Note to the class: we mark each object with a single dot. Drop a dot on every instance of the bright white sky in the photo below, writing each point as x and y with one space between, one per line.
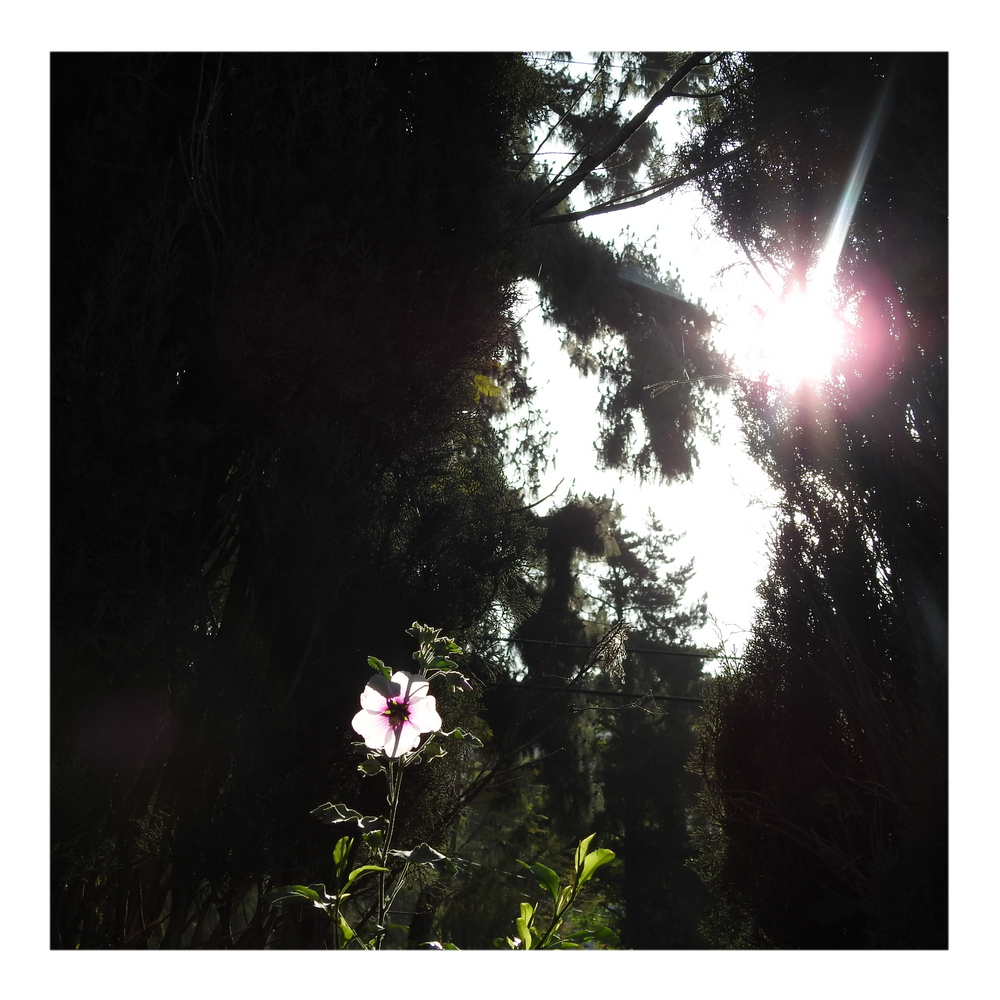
726 510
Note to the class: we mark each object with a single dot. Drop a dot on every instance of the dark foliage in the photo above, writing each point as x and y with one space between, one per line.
268 454
613 762
631 327
282 289
648 797
825 753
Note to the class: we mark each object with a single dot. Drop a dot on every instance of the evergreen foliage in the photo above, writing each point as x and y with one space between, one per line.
612 761
825 752
268 448
283 294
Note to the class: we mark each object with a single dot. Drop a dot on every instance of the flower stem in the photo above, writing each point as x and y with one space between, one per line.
394 777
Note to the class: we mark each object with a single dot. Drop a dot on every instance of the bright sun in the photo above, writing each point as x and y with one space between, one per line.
795 339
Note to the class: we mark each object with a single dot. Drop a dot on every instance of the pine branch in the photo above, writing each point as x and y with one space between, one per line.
625 133
647 194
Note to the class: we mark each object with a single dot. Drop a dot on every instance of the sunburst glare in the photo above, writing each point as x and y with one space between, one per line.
799 336
794 340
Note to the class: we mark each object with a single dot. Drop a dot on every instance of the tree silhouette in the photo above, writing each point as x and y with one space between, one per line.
824 752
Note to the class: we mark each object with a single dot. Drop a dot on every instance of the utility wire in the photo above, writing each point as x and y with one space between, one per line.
608 694
704 654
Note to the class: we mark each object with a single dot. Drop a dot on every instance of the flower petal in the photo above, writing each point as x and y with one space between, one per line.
377 692
411 685
375 722
424 715
403 740
373 728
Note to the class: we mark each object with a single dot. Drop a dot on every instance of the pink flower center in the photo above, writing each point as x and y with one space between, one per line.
398 713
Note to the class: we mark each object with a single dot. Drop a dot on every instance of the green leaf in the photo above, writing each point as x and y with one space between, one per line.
592 862
485 386
457 681
581 852
358 872
606 936
523 925
291 894
450 866
461 734
341 852
330 813
345 928
371 766
547 878
431 751
319 890
315 894
422 855
376 664
373 840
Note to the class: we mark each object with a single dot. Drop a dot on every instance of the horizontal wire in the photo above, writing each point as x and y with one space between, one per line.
609 694
700 653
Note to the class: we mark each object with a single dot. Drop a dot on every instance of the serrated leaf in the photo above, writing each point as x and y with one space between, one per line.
431 751
376 664
461 734
446 866
421 855
462 683
330 813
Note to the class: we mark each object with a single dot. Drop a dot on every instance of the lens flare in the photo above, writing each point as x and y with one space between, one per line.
801 334
797 339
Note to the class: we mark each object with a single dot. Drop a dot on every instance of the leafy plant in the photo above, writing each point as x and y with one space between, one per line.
396 713
533 932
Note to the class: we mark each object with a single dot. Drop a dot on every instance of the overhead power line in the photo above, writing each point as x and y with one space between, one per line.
703 654
605 694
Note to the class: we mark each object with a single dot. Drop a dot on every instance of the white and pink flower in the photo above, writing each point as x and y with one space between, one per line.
396 713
